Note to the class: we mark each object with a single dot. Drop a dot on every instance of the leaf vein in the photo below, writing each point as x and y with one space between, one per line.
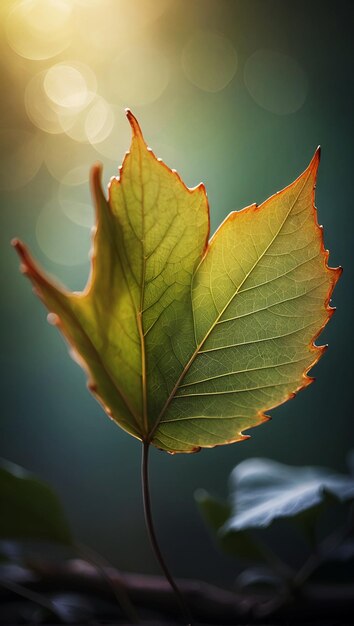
246 343
245 371
230 391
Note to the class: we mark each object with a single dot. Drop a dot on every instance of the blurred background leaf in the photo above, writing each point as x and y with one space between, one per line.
216 514
29 509
261 492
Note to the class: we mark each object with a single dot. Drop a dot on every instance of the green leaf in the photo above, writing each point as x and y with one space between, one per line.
187 343
29 508
262 491
216 513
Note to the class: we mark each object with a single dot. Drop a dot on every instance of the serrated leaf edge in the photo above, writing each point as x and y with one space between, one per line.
312 347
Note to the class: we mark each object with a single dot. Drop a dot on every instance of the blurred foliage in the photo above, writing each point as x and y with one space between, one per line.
29 508
261 492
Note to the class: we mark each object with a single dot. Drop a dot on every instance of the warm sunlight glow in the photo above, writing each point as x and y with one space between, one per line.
66 86
39 29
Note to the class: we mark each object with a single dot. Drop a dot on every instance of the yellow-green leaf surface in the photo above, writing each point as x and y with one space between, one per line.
188 343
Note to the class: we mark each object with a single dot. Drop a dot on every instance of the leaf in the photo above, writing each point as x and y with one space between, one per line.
262 491
258 577
187 343
29 508
216 513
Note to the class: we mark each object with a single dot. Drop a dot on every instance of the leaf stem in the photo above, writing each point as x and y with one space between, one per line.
152 535
324 550
294 585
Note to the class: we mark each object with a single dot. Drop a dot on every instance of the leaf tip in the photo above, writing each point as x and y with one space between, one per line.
134 124
201 187
19 246
308 380
315 161
96 173
338 271
22 252
262 417
96 180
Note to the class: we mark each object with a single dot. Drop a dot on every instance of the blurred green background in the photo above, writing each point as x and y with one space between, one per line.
237 94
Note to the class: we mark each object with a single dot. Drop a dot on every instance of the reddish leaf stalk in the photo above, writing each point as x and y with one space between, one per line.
152 534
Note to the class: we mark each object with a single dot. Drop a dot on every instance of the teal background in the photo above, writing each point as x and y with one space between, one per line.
243 153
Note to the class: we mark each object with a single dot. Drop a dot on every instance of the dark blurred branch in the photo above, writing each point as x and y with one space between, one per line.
295 586
318 604
116 583
29 594
324 550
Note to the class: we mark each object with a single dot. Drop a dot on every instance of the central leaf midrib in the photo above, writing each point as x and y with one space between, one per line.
199 346
141 305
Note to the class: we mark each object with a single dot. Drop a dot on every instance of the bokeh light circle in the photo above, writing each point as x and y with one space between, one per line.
61 240
111 25
275 81
66 86
99 121
67 159
42 111
91 124
209 60
114 145
75 201
22 154
39 29
138 76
